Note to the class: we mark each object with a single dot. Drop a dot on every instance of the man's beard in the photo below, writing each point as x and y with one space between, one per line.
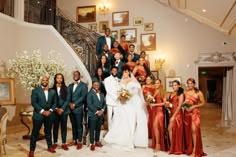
114 75
44 85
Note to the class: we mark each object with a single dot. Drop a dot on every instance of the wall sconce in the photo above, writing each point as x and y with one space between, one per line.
159 61
103 7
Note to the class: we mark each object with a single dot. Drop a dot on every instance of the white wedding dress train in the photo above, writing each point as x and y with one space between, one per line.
129 124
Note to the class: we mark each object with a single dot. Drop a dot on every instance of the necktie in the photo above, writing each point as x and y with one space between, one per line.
75 82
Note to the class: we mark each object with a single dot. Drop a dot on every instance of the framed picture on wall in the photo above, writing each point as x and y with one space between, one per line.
7 93
130 33
120 18
148 26
168 82
148 42
86 13
103 25
138 21
114 34
92 27
155 74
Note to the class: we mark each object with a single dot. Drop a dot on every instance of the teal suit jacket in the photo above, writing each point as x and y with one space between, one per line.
100 43
38 101
64 104
78 96
135 58
120 73
94 104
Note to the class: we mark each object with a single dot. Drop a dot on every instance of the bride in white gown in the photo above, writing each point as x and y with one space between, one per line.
129 123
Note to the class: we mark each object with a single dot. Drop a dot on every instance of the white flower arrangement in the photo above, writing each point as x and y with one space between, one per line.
30 67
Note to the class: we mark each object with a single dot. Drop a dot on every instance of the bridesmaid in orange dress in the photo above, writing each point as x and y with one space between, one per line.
141 71
192 130
149 88
158 142
175 127
130 63
124 44
115 48
143 55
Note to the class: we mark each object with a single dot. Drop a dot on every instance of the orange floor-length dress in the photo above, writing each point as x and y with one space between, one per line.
189 119
146 91
157 112
177 145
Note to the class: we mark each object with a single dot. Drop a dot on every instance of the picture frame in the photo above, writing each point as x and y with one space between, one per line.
92 27
148 26
138 21
86 14
7 92
130 33
148 42
155 73
114 34
103 25
168 82
120 18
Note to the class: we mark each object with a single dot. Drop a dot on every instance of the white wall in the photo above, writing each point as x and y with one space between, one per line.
17 36
179 37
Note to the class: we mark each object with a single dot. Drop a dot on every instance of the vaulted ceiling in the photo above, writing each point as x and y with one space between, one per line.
219 14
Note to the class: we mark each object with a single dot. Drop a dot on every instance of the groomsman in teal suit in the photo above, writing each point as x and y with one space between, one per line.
44 102
62 111
118 63
107 39
77 92
135 56
96 105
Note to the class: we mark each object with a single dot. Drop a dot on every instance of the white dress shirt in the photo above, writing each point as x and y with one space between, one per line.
75 85
108 40
46 94
118 61
98 94
58 90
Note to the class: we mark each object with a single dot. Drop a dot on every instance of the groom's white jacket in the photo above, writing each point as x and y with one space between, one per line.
112 87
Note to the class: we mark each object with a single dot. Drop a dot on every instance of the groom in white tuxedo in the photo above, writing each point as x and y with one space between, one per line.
112 86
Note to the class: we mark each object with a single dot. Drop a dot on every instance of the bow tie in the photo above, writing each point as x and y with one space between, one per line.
75 82
96 91
45 88
116 62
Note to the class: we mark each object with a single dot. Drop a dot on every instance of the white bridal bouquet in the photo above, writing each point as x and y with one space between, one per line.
29 67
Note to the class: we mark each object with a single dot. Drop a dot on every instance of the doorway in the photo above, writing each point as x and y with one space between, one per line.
211 83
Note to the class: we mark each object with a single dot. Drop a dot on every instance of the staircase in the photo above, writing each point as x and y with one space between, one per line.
81 39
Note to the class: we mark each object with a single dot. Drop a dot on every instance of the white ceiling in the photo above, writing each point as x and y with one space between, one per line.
219 14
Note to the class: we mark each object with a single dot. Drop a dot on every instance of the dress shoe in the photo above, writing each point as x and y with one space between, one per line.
64 146
92 147
79 145
51 150
72 143
98 144
31 154
54 146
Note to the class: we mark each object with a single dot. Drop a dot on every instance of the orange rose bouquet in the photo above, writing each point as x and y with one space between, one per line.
124 95
187 103
141 78
150 99
168 106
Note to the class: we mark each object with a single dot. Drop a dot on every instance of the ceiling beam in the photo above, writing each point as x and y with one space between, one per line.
232 28
228 13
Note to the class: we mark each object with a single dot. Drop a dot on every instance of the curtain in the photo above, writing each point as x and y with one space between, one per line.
228 97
